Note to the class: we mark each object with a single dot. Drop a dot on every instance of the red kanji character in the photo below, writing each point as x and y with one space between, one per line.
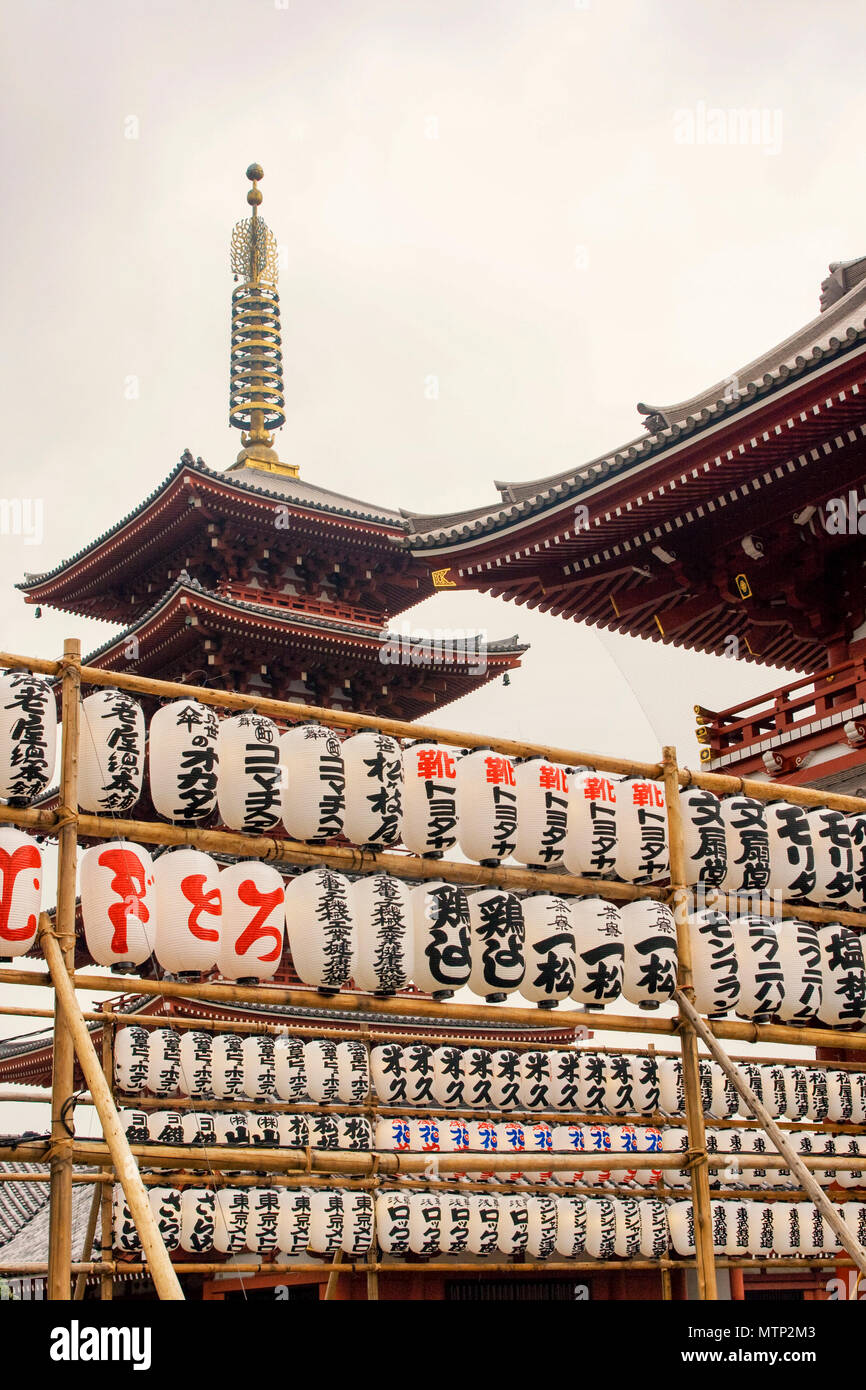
647 794
192 889
435 762
11 865
500 770
129 885
598 789
552 778
265 902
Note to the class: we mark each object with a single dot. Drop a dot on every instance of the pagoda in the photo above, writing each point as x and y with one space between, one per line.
733 525
255 580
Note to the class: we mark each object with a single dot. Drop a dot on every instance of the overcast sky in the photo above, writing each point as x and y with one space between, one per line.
497 194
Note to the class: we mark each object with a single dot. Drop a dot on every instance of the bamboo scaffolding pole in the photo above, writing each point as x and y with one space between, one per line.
89 1237
700 1182
331 1287
792 1159
164 1277
63 1057
106 1283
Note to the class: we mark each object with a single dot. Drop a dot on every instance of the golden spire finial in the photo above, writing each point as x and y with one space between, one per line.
256 402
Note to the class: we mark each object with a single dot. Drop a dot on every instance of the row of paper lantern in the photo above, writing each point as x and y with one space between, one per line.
368 789
774 1228
228 1066
788 970
350 1133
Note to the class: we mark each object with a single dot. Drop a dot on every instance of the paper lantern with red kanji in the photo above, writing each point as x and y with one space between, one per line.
183 762
21 877
188 911
118 903
497 943
599 951
834 855
429 798
641 854
315 794
196 1220
747 844
131 1052
762 982
486 806
374 789
320 925
843 977
110 752
251 937
385 942
28 736
802 979
590 842
250 780
542 812
650 953
704 843
441 933
550 949
715 963
792 853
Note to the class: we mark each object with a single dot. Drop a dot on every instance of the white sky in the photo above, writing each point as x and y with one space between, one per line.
409 257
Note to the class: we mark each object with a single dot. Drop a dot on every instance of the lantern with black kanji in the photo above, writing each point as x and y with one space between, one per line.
599 951
486 806
320 925
715 964
792 853
497 943
28 736
802 978
843 977
118 903
251 937
550 949
189 911
747 844
704 843
429 798
650 952
196 1220
641 854
182 755
131 1051
834 855
250 780
195 1078
374 789
542 812
762 983
21 878
315 795
385 942
590 842
441 931
110 752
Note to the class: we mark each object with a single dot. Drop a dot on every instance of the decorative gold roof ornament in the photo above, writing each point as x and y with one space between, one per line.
256 400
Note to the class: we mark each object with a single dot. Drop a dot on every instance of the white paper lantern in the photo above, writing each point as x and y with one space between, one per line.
854 1216
858 1097
392 1222
383 915
857 829
294 1131
423 1135
641 854
389 1072
326 1221
541 1227
260 1082
671 1089
618 1088
21 878
628 1228
449 1080
425 1223
353 1072
747 845
511 1139
505 1086
840 1097
550 950
477 1070
182 754
792 1227
704 843
649 1141
354 1133
483 1224
454 1225
232 1128
497 944
118 903
834 855
196 1220
293 1225
188 911
592 1082
681 1225
290 1070
417 1062
654 1236
723 1100
645 1085
675 1139
131 1052
250 781
762 1227
800 960
323 1132
571 1227
850 1146
358 1217
198 1128
165 1127
231 1214
28 736
513 1225
600 1228
374 789
263 1218
227 1066
759 967
599 951
429 798
136 1125
315 794
163 1062
715 963
487 806
542 812
774 1091
251 936
441 932
323 937
816 1080
264 1129
535 1077
590 843
323 1071
110 752
792 854
843 977
564 1079
650 953
126 1237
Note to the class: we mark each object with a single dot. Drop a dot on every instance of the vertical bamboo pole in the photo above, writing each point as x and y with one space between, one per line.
106 1282
699 1171
90 1234
63 1071
372 1272
331 1286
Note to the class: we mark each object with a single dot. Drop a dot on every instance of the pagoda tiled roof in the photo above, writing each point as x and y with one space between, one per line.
839 329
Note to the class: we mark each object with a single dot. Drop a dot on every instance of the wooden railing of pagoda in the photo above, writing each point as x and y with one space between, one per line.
117 1160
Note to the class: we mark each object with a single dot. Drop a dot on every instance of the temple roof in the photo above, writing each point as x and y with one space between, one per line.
838 329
